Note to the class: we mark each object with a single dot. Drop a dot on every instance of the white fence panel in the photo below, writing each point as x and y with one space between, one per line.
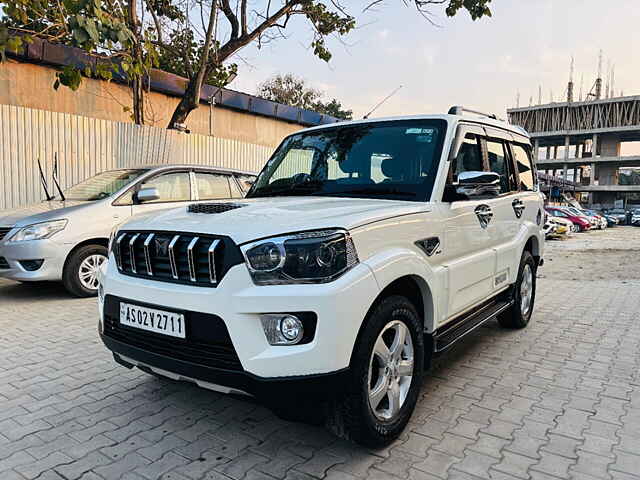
85 146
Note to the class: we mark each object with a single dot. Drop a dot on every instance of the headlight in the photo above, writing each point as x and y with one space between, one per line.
39 231
309 257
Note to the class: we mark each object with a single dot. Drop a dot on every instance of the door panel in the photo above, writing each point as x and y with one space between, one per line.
468 256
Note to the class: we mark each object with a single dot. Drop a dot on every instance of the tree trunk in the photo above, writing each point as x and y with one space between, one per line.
137 85
188 103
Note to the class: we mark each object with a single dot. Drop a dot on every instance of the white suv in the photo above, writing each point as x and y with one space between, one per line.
362 250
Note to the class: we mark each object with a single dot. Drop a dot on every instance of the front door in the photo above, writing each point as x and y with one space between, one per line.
174 189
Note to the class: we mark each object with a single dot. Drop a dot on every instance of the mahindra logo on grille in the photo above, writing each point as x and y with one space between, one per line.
162 247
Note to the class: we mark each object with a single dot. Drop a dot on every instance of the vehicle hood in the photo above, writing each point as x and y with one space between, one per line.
265 217
563 221
41 212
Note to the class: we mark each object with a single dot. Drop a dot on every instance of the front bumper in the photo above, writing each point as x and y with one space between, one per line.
340 307
229 381
53 254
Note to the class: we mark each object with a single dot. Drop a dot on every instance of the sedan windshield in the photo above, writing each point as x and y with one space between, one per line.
395 160
102 185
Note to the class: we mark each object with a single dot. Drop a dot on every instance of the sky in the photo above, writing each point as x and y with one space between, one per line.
481 64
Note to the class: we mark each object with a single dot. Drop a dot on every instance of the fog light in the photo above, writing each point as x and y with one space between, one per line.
282 329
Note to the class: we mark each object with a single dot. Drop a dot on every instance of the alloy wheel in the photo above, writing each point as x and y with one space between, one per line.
526 290
390 370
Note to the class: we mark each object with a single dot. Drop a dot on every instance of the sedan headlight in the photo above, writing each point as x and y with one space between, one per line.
308 257
39 231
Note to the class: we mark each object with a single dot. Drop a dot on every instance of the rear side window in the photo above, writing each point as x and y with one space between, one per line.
212 186
525 167
499 163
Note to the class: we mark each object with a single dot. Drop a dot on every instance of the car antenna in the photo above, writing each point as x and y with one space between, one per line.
43 180
55 176
384 100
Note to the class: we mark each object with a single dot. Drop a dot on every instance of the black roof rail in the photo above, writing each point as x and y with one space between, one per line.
459 110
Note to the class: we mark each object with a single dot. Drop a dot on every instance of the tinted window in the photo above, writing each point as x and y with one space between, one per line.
525 168
212 186
499 163
172 187
245 182
469 157
395 160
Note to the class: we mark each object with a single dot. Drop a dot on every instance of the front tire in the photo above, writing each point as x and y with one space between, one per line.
524 295
386 369
80 275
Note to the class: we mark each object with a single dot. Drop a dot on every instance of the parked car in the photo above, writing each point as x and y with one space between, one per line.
611 220
66 238
619 214
563 227
580 222
362 250
602 221
635 217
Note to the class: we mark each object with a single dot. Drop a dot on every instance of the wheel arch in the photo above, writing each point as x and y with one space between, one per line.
102 241
533 247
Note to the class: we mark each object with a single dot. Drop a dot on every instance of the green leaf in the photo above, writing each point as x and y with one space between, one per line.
80 35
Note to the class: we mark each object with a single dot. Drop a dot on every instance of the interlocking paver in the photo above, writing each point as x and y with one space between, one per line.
558 400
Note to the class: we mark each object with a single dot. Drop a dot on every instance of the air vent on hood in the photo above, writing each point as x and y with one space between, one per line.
211 208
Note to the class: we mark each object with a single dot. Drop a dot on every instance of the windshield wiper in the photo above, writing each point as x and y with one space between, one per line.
44 183
373 191
291 189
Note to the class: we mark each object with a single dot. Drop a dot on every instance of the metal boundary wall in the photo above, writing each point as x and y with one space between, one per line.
86 146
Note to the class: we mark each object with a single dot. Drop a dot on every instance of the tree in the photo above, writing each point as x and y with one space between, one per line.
131 36
291 90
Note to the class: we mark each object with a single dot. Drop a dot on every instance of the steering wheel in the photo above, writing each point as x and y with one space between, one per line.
300 178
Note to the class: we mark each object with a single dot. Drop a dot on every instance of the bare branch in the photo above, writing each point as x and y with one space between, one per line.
243 16
233 20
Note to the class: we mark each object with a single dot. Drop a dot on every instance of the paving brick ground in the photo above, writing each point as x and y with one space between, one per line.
560 399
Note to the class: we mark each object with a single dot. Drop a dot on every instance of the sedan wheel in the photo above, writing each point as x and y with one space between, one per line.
88 272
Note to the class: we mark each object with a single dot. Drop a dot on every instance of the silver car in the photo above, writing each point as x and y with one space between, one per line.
66 238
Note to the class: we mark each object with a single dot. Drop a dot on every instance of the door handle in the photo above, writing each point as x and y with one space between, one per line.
518 207
484 214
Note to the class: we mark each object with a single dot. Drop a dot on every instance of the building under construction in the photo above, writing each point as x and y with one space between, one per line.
579 144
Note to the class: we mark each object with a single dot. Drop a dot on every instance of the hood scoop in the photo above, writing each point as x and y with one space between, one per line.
211 208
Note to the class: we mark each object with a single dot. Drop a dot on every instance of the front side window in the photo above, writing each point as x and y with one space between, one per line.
469 158
102 185
172 187
525 168
212 186
392 160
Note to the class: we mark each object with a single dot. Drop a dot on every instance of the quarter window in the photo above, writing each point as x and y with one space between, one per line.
525 168
212 186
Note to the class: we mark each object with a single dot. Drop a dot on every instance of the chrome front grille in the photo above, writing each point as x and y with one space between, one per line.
175 257
4 231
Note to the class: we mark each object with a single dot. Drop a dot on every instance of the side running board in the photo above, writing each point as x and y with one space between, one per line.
449 334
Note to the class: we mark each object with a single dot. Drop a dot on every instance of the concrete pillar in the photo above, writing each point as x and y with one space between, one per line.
594 145
567 144
564 173
593 174
536 149
575 174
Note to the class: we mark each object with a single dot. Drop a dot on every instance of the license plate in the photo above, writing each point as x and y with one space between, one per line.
152 320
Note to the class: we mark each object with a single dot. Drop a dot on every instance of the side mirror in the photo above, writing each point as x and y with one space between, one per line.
147 195
478 184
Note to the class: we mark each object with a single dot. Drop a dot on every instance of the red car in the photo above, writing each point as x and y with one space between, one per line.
582 223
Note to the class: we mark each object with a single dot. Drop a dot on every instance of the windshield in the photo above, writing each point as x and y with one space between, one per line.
102 185
395 160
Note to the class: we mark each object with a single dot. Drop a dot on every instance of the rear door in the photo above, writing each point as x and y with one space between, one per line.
506 209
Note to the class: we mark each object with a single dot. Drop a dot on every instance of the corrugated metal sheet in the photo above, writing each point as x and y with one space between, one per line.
86 146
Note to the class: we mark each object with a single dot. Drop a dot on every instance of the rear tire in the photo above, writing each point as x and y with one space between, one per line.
381 395
524 295
79 275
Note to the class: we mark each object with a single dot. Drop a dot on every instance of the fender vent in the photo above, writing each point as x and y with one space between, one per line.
211 208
